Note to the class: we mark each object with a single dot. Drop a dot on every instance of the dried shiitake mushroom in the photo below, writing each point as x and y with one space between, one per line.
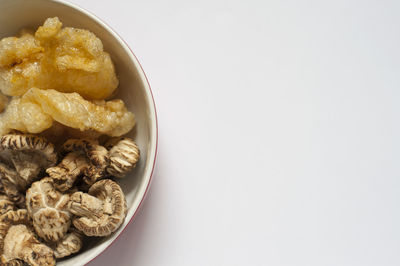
18 243
6 204
123 156
64 175
9 218
101 211
70 244
48 209
29 154
8 188
97 155
23 159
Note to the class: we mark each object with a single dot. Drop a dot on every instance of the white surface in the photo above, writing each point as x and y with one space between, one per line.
278 132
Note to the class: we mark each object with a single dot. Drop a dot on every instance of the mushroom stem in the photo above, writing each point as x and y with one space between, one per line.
83 204
96 154
66 172
101 211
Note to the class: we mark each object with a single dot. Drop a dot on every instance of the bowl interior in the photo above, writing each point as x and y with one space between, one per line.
133 90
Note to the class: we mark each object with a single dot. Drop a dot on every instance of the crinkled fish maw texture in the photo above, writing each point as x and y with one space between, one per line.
34 112
64 59
24 116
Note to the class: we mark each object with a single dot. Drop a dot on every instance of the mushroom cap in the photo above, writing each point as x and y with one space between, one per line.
97 154
11 218
27 142
20 243
29 153
47 207
70 244
123 156
103 220
23 159
7 220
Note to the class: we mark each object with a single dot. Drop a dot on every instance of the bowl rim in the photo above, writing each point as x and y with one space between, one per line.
152 106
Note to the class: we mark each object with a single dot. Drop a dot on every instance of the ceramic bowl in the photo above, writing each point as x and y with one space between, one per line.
134 90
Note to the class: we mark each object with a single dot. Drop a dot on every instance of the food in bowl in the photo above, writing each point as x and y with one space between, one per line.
36 110
65 59
55 195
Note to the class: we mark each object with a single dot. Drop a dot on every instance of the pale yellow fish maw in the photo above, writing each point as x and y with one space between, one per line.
14 50
3 102
64 59
70 109
24 117
37 109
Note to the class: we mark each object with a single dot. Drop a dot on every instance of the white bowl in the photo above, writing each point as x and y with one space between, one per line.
133 89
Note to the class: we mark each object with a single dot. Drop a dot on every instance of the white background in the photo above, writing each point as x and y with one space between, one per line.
278 132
